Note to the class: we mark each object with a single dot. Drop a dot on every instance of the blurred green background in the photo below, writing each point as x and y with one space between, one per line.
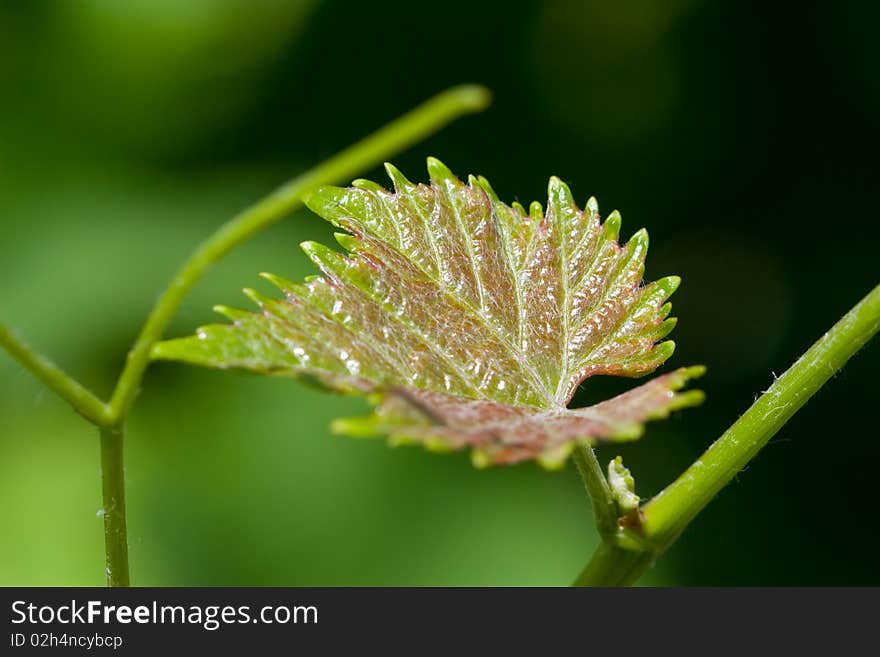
743 135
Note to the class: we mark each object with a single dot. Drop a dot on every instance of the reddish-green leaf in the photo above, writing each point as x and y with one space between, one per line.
467 322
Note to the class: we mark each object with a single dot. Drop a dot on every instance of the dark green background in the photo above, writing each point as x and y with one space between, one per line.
743 135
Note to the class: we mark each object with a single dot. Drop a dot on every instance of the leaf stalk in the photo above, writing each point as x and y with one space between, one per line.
605 511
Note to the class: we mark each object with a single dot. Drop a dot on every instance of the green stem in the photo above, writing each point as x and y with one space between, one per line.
69 389
605 509
113 480
668 513
666 516
417 124
410 128
612 565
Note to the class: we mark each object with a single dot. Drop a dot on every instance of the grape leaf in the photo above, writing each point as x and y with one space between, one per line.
465 321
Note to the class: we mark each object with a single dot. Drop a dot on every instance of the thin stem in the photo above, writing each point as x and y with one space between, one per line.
69 389
417 124
113 480
666 516
604 507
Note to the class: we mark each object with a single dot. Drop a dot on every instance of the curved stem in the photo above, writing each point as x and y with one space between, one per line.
410 128
113 484
397 135
65 386
667 514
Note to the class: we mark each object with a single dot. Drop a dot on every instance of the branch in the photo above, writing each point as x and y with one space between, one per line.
69 389
417 124
667 515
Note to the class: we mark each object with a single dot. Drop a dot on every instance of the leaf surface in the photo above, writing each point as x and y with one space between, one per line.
467 322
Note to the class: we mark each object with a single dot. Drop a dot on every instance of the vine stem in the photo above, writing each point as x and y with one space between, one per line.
60 382
412 127
113 485
605 510
622 560
613 565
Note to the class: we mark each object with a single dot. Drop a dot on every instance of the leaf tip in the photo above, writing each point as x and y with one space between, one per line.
480 459
558 191
670 284
367 185
346 241
439 172
437 445
482 183
317 252
354 427
694 371
687 399
555 457
640 239
256 297
665 327
664 350
536 211
231 314
628 431
321 199
281 283
401 183
612 224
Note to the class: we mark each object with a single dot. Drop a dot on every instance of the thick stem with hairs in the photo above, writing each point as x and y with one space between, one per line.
631 551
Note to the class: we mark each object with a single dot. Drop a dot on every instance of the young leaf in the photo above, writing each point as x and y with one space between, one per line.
623 486
466 322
